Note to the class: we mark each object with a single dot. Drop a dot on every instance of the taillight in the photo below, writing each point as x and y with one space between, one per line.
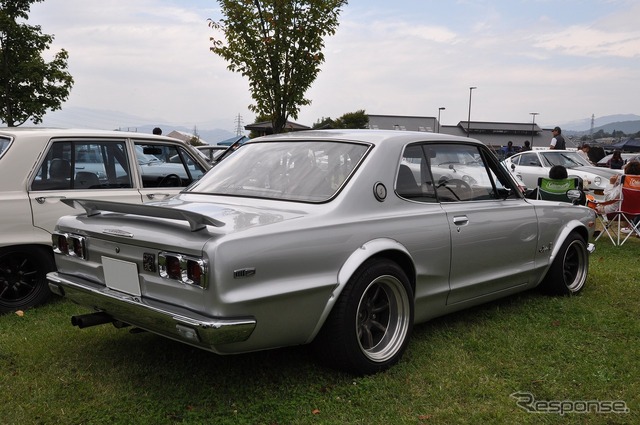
195 272
69 244
189 270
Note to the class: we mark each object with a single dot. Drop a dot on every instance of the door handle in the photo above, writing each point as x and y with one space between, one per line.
158 196
460 220
42 199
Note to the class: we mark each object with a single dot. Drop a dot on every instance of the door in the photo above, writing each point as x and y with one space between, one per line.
165 169
89 169
493 229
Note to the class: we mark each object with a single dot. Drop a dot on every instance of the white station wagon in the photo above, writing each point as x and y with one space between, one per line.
324 237
40 167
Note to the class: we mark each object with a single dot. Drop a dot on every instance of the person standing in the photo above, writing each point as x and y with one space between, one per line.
557 142
526 147
584 152
616 162
157 131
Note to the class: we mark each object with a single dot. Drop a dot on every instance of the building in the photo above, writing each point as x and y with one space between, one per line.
494 134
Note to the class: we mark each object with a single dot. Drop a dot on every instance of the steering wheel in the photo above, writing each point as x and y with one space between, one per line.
461 186
170 180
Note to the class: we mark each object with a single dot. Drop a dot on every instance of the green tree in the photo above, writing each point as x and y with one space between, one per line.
29 86
358 119
277 45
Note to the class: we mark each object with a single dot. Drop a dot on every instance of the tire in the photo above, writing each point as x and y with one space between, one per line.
23 282
568 272
369 327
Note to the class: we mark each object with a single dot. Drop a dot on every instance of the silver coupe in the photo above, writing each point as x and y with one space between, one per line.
342 239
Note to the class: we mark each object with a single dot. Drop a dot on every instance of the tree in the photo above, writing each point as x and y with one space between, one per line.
29 86
358 119
277 45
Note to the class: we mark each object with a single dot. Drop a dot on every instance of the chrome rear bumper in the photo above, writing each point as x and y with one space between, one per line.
160 318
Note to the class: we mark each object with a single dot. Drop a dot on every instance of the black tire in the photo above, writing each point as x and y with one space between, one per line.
23 282
369 327
568 272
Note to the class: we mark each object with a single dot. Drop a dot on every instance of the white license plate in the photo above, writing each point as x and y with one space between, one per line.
121 275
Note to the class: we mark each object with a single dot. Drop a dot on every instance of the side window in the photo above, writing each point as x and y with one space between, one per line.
414 180
163 165
530 159
465 173
83 165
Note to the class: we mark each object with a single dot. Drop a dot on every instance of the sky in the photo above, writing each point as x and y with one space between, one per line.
565 60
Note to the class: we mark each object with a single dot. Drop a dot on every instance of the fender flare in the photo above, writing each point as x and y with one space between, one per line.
349 267
570 227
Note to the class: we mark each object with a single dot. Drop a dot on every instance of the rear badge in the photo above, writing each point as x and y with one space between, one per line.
117 232
149 262
241 273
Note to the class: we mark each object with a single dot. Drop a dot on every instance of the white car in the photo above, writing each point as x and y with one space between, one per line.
528 166
40 167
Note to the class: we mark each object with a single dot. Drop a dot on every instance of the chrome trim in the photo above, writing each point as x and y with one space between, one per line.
184 271
153 316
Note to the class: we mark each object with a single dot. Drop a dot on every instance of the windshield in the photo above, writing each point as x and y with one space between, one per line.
566 159
292 170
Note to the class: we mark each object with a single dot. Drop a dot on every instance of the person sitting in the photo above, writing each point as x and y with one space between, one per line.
613 195
559 172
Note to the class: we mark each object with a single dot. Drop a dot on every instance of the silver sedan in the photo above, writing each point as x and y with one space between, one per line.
342 239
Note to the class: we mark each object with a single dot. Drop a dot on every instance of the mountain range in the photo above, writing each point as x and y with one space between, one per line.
627 123
211 132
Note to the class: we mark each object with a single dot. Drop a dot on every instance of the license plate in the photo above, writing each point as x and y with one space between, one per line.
121 275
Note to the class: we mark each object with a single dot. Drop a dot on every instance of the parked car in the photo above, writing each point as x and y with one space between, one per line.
604 162
212 152
528 166
323 237
40 167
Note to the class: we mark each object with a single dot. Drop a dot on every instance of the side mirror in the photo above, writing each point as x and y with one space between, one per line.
513 167
574 195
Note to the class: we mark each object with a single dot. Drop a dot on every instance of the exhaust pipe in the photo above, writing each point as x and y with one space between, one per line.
91 319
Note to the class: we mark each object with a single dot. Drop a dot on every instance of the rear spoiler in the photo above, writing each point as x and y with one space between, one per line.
196 220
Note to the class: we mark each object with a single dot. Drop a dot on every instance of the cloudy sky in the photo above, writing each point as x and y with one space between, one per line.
565 59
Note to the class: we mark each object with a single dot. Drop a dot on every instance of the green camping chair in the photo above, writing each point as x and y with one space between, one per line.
556 190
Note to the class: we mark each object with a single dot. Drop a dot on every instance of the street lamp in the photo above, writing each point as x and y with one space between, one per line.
442 108
533 124
469 117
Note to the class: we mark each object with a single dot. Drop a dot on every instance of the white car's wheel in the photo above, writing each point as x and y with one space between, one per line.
23 282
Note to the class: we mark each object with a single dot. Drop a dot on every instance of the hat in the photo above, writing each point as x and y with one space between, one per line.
557 129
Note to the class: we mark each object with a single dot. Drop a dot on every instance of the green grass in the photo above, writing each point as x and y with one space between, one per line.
460 368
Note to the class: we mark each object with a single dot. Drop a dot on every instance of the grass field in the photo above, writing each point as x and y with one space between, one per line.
462 368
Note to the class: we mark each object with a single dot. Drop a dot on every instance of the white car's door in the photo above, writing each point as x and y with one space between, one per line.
164 170
90 169
528 168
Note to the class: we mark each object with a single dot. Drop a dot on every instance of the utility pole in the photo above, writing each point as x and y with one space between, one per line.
239 128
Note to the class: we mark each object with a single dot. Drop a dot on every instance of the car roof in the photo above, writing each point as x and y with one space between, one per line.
374 137
21 132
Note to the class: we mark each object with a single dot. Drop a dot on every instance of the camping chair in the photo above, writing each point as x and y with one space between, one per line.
629 209
556 190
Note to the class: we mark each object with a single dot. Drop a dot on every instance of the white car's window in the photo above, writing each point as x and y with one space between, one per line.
163 165
530 159
566 159
295 170
84 165
4 144
449 173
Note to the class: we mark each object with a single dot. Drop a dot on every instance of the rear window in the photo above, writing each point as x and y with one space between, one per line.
4 144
